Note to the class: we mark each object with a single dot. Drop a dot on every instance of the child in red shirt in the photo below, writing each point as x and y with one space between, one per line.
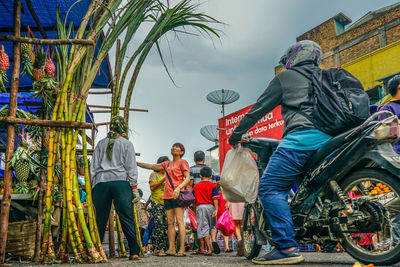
206 207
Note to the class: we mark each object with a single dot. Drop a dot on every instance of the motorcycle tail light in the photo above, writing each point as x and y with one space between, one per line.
388 129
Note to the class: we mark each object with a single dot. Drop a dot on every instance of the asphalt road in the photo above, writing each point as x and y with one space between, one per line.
222 260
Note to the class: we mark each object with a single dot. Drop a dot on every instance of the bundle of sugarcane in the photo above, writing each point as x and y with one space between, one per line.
76 70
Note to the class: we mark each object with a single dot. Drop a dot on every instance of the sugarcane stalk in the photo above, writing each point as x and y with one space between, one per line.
48 193
89 200
68 183
121 246
138 237
82 221
62 250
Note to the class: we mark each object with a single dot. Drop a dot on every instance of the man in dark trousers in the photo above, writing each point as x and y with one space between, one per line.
114 179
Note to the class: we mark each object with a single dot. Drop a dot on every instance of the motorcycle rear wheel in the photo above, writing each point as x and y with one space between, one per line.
382 247
250 247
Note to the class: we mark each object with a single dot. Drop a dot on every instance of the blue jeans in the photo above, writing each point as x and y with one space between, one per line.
148 232
284 169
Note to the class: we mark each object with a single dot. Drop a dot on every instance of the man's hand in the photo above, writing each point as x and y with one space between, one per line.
215 213
234 142
136 196
176 192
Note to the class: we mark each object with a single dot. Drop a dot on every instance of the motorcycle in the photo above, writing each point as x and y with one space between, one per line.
349 194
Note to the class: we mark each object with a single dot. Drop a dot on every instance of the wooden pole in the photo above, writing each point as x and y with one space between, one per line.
42 187
100 93
102 123
111 239
35 18
100 111
47 123
15 39
5 204
121 108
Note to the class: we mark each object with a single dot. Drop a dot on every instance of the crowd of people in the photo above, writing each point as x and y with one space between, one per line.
166 213
114 179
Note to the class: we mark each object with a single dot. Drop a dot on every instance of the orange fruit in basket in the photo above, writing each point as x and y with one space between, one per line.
379 184
374 192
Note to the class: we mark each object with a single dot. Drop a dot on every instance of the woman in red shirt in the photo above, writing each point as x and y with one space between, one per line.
178 170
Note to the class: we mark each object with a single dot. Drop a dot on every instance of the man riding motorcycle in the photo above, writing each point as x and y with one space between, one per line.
300 140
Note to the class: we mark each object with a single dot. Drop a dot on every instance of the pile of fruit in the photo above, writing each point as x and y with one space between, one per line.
380 189
39 66
21 188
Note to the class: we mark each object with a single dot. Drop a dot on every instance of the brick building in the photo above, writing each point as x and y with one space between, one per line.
343 42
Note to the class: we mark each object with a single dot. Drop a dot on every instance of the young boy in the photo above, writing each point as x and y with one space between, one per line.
206 207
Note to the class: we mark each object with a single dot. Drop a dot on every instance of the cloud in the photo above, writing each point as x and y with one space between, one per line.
255 35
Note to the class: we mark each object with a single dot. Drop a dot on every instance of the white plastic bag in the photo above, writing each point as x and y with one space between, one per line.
239 177
186 218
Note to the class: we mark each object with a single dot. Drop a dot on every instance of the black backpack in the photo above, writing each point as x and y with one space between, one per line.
339 100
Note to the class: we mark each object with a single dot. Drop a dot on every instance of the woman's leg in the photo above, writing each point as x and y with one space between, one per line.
238 234
171 231
181 227
238 231
226 240
161 226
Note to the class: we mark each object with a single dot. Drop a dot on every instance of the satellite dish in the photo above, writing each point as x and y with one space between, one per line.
223 97
210 132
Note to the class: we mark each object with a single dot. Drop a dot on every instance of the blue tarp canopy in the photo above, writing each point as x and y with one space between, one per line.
29 103
46 13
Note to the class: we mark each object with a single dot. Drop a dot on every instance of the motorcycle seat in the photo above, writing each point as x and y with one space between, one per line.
326 149
331 145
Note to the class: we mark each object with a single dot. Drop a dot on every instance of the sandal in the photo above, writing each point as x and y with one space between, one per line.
162 254
216 248
134 257
198 252
169 253
208 253
180 254
228 250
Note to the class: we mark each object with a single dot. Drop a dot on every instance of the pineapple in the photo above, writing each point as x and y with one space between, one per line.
20 163
4 61
4 65
40 58
38 74
32 56
21 169
49 67
26 48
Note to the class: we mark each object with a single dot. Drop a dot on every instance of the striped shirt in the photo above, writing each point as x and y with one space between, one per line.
195 173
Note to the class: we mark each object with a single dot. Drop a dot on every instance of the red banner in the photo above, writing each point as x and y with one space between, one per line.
271 125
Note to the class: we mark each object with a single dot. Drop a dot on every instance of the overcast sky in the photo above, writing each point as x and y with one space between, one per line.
253 38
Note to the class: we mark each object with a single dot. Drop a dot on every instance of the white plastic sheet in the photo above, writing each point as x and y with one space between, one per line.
239 177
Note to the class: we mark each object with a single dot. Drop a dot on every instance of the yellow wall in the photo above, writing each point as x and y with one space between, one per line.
376 65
